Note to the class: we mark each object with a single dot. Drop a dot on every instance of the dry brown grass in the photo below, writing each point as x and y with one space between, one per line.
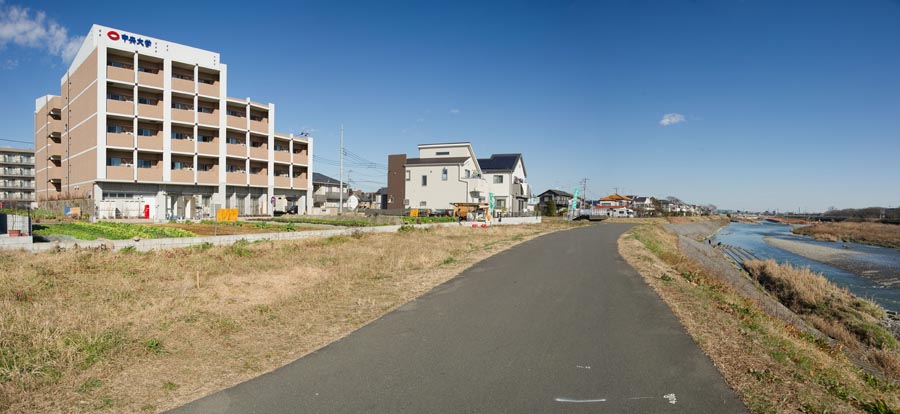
878 234
99 331
773 367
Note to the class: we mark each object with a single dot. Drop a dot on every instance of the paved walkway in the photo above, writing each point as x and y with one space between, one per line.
559 324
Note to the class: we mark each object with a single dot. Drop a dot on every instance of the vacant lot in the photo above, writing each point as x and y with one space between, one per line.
878 234
101 331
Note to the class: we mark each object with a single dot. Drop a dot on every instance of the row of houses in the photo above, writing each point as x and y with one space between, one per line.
617 205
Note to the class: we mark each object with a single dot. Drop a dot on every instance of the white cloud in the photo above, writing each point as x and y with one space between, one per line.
9 64
21 27
671 119
454 111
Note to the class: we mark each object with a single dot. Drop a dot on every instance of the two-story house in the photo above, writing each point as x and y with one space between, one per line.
560 197
327 194
506 178
443 174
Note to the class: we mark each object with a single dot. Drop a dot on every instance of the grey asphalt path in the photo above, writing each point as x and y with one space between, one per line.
559 324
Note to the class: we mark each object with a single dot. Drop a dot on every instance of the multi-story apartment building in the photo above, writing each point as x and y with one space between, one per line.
146 124
16 177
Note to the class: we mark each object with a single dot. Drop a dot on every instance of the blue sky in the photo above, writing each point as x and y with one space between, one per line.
771 104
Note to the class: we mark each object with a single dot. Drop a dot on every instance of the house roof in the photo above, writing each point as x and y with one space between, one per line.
608 207
615 197
324 179
436 161
382 191
499 162
557 192
640 199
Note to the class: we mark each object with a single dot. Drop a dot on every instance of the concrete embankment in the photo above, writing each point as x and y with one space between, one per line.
173 243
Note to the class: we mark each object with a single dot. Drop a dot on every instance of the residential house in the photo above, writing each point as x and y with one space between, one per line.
327 194
561 198
644 206
442 174
615 200
380 200
506 177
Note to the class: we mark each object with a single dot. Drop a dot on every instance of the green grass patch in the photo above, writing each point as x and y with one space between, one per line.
108 230
92 348
428 220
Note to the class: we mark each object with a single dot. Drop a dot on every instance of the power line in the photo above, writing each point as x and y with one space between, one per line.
15 140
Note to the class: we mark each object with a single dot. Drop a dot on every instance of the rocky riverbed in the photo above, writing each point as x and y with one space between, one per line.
885 272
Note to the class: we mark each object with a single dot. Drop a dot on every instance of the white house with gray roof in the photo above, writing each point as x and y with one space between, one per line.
506 178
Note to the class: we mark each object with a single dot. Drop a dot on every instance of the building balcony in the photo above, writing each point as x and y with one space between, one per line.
207 89
211 148
236 150
282 156
301 158
236 178
150 111
150 142
259 153
151 79
260 126
300 181
120 74
208 177
120 140
259 180
237 122
120 107
183 85
282 182
208 119
183 145
183 115
150 174
125 173
183 176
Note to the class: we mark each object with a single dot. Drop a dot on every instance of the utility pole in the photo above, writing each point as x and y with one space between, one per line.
341 203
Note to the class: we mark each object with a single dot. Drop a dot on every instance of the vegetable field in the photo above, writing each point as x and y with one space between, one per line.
111 231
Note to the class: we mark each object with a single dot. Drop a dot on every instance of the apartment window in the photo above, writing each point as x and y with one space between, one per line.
206 81
206 109
146 69
444 174
424 180
405 201
500 202
282 173
205 138
204 167
116 97
255 170
279 147
144 163
147 101
235 113
179 105
117 162
145 132
181 165
231 168
234 140
256 144
116 129
498 179
116 64
442 153
256 117
408 176
180 135
182 76
422 204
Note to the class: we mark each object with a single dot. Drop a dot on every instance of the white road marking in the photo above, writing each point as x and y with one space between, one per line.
670 397
583 366
570 400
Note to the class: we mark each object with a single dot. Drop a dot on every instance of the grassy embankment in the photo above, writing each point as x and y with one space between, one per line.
103 331
878 234
773 367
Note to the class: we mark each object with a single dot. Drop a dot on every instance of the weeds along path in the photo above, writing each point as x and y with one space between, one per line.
86 330
773 366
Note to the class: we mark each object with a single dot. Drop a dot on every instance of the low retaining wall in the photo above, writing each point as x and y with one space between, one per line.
12 243
173 243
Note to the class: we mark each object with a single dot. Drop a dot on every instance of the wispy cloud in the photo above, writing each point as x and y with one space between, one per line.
9 64
454 111
22 27
672 119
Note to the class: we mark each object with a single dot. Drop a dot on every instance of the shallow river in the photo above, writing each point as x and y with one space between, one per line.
751 237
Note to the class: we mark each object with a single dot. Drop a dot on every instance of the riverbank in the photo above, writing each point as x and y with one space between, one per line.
96 330
774 366
875 234
885 273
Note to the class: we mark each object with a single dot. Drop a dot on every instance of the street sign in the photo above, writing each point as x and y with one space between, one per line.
273 200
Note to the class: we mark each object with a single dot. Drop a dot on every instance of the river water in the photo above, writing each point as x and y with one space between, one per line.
751 237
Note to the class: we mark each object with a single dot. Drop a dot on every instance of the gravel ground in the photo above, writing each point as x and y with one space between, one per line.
886 274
